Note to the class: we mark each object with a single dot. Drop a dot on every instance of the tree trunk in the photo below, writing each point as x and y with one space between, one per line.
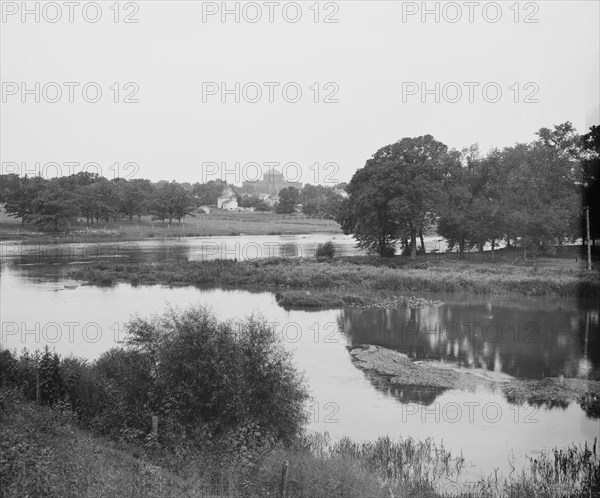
413 244
422 243
461 248
493 244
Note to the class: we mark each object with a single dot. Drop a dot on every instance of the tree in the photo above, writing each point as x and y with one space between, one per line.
134 197
54 207
394 196
207 193
182 202
171 200
542 200
590 181
288 199
20 198
366 213
318 200
160 206
198 373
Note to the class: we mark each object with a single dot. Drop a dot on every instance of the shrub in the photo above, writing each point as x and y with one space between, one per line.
326 250
201 375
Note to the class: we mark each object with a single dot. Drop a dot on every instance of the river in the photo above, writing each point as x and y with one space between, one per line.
522 337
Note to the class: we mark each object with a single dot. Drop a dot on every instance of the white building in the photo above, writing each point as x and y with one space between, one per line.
227 200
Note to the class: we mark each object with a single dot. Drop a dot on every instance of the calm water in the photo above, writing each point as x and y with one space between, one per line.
526 338
186 248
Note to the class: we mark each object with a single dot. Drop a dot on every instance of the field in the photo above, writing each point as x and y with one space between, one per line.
217 223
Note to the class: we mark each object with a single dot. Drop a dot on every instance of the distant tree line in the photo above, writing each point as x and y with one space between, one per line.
54 204
532 195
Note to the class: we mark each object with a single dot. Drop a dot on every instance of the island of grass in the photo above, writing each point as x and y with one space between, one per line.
355 272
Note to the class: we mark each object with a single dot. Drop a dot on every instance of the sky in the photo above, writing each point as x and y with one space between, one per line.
315 99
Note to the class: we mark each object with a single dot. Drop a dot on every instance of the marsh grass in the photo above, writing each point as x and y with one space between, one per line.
306 273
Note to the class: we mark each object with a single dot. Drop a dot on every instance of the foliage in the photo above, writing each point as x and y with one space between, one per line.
318 200
326 250
393 196
203 378
528 195
288 199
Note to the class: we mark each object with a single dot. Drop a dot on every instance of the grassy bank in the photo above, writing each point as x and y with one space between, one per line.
217 223
44 453
446 276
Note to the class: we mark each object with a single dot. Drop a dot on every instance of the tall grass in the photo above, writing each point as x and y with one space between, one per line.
305 273
44 453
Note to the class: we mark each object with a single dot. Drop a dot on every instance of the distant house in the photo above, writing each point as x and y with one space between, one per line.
341 191
269 200
227 200
204 209
227 204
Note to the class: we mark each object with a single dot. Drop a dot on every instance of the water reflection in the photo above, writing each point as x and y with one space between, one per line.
361 411
554 340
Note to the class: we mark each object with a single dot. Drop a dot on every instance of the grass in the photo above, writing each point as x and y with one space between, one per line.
447 276
217 223
44 453
305 299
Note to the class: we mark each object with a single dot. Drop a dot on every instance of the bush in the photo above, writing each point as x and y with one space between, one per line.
206 380
326 250
221 375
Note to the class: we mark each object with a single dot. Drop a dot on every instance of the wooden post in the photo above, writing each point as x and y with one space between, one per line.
284 479
155 425
589 249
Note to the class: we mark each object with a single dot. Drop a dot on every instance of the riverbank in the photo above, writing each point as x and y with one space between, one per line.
444 276
216 224
396 369
43 452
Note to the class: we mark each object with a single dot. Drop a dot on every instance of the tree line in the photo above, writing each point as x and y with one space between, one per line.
55 204
530 195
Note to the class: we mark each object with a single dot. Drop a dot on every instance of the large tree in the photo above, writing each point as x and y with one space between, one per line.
288 199
54 208
394 196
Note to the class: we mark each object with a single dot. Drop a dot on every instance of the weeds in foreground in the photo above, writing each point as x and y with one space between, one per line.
44 453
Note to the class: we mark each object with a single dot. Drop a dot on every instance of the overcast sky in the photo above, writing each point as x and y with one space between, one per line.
372 61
